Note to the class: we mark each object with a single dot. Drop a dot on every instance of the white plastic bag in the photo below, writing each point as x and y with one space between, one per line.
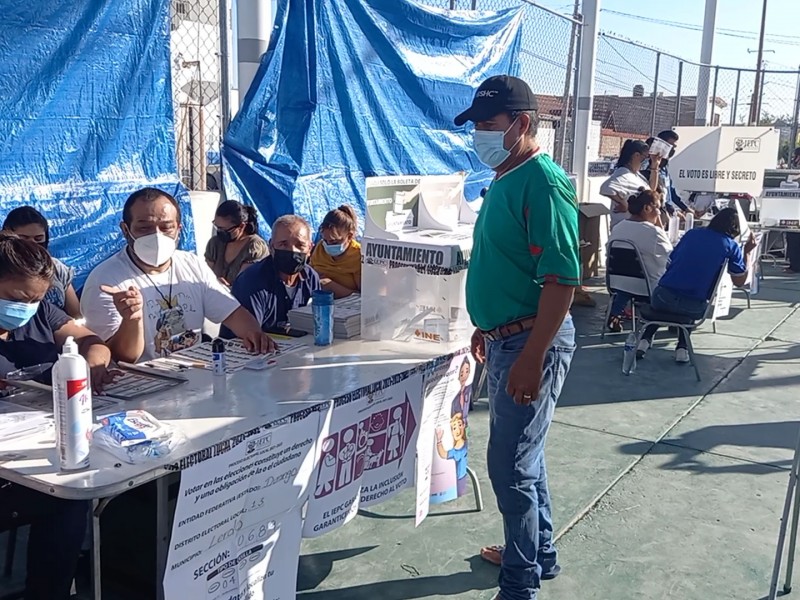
136 436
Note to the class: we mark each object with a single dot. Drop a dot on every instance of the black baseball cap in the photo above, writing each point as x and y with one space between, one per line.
499 94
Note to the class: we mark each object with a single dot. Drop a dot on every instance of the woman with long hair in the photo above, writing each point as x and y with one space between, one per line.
338 258
625 181
236 244
694 267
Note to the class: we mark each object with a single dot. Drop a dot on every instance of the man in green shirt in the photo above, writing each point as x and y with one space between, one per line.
523 272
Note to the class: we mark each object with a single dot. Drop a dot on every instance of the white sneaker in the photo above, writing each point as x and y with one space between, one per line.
642 348
681 356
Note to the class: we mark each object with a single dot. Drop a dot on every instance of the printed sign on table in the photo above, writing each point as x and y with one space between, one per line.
237 526
369 454
442 448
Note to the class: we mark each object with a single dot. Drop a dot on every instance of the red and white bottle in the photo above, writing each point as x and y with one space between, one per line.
72 407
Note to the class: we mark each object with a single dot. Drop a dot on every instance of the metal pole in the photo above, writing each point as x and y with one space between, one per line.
585 98
755 107
793 139
452 4
224 70
761 92
678 97
254 20
736 97
567 84
714 97
655 95
578 50
474 4
704 75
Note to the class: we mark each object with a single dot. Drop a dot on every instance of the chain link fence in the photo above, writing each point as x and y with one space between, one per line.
195 50
640 91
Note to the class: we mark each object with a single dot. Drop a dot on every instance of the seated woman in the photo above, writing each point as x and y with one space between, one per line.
236 244
29 224
338 258
643 229
694 267
625 181
32 332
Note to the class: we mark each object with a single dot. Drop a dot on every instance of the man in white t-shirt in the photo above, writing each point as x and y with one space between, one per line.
149 299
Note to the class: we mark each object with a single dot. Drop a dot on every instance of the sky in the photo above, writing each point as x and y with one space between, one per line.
737 27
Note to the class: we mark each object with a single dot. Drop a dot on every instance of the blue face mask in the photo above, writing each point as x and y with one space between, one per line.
14 315
334 250
490 146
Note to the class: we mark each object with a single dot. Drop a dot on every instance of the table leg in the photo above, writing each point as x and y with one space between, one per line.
787 504
162 533
97 579
787 586
476 489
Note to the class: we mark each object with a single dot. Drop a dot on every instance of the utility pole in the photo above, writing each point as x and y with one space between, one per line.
793 138
755 107
567 85
704 77
585 95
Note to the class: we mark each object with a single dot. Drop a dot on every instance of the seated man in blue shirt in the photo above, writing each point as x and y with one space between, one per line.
282 281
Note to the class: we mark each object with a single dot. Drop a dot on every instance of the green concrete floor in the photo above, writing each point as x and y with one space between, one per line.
663 487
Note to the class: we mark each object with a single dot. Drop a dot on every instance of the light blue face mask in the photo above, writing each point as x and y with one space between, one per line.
334 250
490 146
14 315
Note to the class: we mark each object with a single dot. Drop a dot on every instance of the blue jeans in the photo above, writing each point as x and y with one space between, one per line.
619 302
515 459
666 300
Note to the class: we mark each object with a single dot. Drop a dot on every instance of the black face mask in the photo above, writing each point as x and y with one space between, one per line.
224 236
288 262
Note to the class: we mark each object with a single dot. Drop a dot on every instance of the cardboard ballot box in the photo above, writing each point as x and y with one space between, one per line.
415 255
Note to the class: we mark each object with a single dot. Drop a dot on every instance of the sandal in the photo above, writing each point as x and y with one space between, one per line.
614 324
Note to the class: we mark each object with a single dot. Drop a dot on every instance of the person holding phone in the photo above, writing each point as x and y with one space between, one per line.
282 281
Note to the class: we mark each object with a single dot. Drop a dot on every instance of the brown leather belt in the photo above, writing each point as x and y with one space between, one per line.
509 329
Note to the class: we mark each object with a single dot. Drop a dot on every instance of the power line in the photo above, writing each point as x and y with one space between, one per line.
774 38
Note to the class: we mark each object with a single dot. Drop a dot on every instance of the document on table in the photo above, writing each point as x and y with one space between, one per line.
18 421
237 526
237 357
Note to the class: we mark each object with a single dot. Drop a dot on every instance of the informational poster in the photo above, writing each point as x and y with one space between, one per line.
442 448
369 454
392 204
237 526
724 159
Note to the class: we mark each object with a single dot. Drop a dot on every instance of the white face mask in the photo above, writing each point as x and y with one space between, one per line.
490 148
154 249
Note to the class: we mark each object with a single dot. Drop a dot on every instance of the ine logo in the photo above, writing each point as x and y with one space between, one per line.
747 144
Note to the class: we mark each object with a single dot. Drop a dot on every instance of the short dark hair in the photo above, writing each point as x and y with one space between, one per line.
533 115
27 215
644 198
667 135
341 219
148 194
726 222
239 213
21 259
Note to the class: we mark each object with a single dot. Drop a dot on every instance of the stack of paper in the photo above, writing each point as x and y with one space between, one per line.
17 421
346 317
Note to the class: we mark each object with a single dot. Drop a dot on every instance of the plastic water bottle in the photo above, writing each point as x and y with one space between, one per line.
673 229
72 408
629 358
322 305
218 356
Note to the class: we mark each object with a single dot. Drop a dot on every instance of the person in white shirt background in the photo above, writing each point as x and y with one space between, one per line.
150 299
642 229
625 181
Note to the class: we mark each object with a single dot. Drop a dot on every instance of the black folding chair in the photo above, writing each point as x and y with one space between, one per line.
625 273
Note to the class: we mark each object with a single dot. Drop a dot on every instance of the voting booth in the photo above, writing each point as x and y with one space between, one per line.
724 159
415 253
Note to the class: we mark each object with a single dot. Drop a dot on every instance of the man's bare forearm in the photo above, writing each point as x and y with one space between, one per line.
127 344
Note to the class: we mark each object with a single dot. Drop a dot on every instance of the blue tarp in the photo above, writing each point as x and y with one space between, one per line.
356 88
86 117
